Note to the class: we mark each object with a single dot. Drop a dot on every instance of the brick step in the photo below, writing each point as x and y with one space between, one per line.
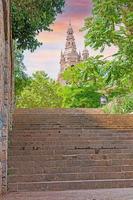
68 152
71 157
70 177
66 169
69 185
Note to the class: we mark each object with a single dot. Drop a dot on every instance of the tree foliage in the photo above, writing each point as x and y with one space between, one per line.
41 93
31 17
85 83
120 104
112 24
20 76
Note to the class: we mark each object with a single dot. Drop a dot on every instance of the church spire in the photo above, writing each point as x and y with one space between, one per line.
70 56
70 40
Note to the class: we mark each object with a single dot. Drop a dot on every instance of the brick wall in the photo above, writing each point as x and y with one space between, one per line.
5 89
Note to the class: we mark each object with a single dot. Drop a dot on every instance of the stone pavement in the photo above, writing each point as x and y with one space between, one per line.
103 194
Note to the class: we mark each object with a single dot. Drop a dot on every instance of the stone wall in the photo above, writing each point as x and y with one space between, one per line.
5 88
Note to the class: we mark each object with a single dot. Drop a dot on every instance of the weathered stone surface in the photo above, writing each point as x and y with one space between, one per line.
5 88
70 149
107 194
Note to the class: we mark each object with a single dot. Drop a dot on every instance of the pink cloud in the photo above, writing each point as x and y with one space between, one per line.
48 56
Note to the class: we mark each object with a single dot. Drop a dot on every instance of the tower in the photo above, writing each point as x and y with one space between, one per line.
70 56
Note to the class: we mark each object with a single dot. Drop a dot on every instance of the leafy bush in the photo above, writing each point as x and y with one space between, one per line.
120 105
83 97
42 92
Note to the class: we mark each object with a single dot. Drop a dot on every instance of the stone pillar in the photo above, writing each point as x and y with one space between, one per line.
5 88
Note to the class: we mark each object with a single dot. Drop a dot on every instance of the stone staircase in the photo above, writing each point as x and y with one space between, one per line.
62 149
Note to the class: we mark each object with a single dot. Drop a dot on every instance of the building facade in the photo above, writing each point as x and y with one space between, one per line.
70 56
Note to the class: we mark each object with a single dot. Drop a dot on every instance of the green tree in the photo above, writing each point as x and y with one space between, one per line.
112 24
20 76
85 83
42 92
31 17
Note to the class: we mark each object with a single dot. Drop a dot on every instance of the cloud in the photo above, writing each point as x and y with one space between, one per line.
47 57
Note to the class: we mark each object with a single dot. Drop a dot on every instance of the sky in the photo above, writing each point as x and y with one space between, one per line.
47 57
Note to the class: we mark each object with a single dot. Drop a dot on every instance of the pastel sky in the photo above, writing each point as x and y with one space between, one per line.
47 57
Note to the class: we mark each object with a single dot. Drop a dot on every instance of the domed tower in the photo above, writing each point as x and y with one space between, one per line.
70 56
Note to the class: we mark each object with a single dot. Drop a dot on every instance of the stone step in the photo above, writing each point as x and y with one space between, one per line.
70 143
73 118
69 185
70 125
97 151
64 131
107 145
94 115
66 169
73 131
40 127
70 176
69 163
61 137
20 140
82 119
60 149
58 110
71 157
